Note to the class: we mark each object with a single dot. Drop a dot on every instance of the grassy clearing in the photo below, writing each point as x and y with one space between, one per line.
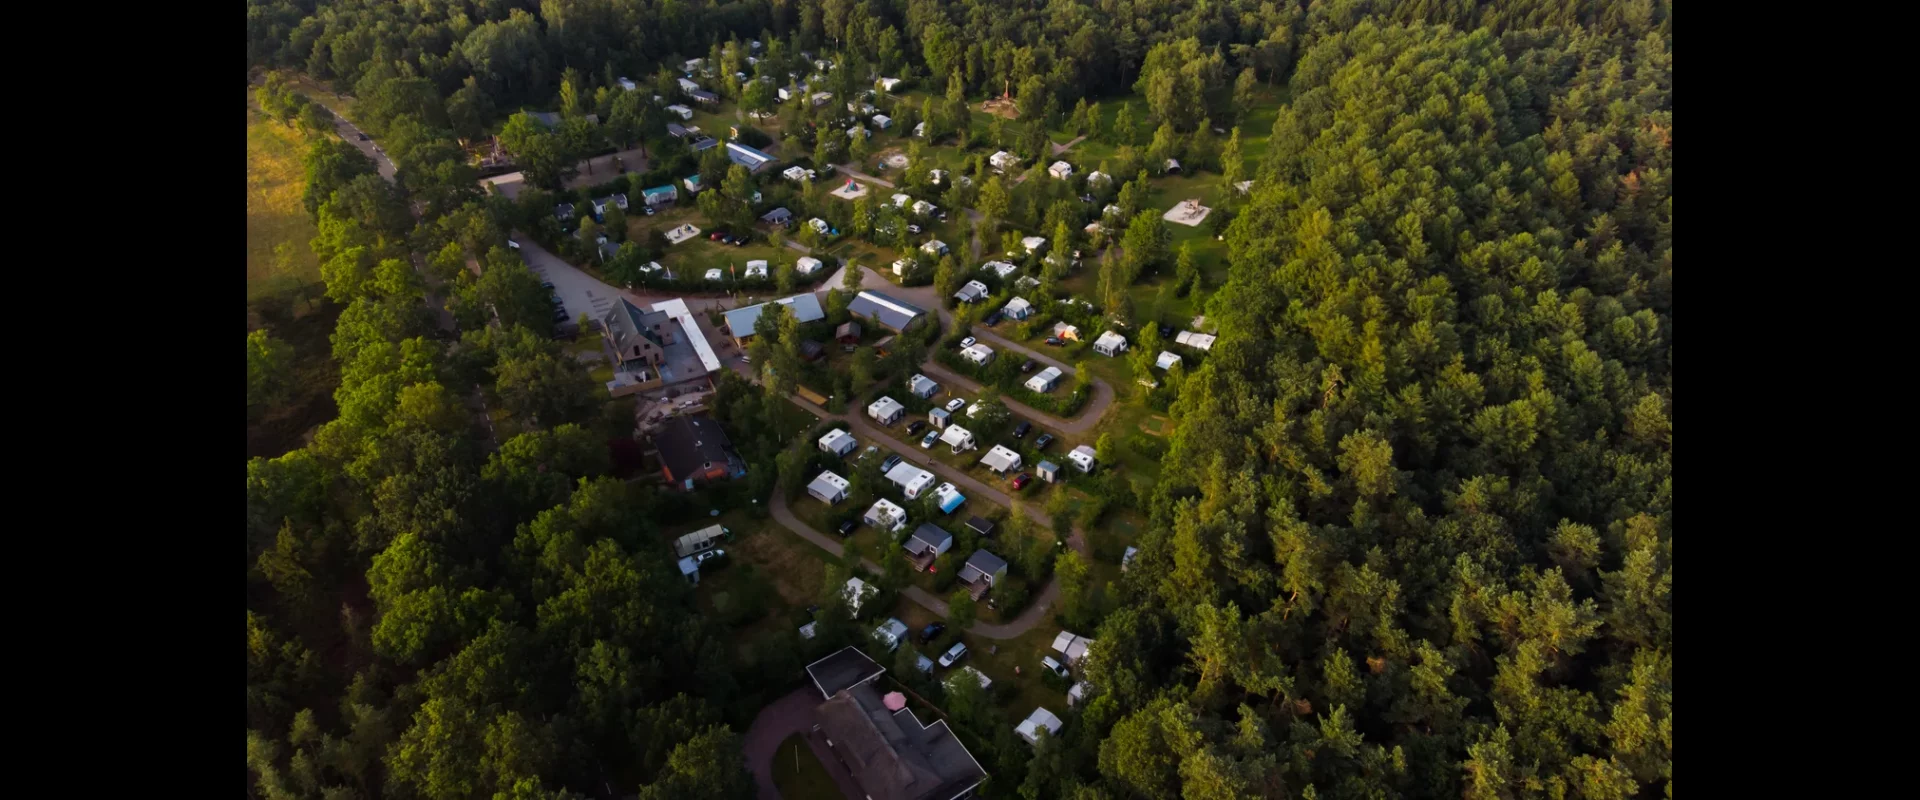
275 217
799 774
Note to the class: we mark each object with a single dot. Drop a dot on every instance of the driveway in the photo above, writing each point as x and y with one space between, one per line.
849 171
579 292
782 718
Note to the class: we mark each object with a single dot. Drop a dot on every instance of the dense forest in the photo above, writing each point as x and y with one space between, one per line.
1413 535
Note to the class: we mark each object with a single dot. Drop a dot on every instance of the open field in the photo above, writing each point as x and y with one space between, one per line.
275 181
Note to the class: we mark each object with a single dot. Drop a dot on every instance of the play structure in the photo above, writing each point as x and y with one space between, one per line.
851 190
682 233
1187 212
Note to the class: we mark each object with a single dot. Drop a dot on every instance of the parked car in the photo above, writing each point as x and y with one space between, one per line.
559 315
929 633
363 137
547 285
956 404
557 302
890 463
716 236
1054 340
648 209
1021 480
913 228
1053 666
1042 442
708 556
846 528
927 441
1166 331
1028 366
1020 431
968 342
953 654
916 427
993 318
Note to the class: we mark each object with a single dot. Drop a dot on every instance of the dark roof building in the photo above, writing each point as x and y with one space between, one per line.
980 525
778 216
842 670
891 754
884 310
695 449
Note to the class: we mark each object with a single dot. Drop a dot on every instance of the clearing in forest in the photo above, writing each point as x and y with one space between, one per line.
275 180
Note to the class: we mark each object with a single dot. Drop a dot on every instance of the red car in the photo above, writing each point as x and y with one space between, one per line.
1021 480
717 236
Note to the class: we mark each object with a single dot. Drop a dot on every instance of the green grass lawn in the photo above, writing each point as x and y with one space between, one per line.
800 775
275 216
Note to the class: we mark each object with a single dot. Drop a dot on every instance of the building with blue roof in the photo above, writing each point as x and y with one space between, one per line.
804 307
751 158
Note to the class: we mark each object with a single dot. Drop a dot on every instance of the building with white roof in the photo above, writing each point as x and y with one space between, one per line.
960 439
807 265
1017 308
886 410
676 310
923 208
922 386
1045 381
1034 244
1110 344
1000 460
885 515
1003 160
828 488
1073 646
977 353
912 480
1197 341
757 268
901 200
1082 458
972 292
1060 170
838 442
1029 729
1166 360
934 248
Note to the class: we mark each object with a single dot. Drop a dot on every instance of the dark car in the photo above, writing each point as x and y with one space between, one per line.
1042 442
547 285
917 426
740 240
363 137
1166 331
927 634
1028 366
1020 431
1053 340
1021 480
993 318
846 528
890 463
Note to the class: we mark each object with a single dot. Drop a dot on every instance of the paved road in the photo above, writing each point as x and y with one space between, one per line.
785 717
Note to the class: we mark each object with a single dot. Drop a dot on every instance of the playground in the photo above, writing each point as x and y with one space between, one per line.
851 190
682 233
1188 212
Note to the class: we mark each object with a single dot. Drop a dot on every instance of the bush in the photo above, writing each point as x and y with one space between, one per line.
1012 598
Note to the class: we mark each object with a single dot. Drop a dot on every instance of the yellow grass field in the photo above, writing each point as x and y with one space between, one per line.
274 214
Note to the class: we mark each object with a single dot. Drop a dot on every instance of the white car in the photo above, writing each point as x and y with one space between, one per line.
1053 666
956 404
927 441
708 556
968 342
953 654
